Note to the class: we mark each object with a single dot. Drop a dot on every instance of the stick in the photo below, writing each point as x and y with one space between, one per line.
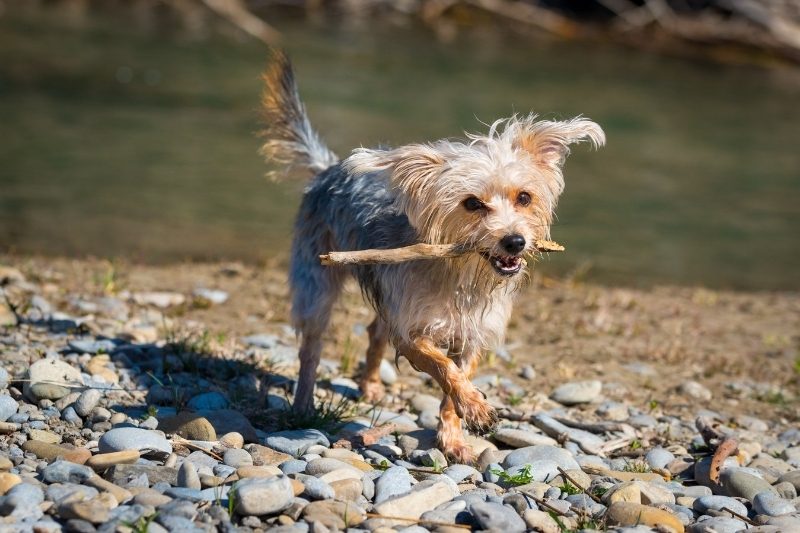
415 251
578 485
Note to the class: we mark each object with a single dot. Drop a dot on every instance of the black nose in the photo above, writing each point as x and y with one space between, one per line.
513 244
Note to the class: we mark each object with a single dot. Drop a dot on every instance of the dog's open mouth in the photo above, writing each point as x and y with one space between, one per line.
505 265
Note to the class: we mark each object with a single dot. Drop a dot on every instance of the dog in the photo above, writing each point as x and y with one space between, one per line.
496 192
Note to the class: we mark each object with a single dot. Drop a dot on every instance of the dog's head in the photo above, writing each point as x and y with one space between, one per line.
497 191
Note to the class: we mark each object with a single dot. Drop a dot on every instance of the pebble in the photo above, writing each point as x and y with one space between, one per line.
577 392
540 521
48 452
631 514
208 401
120 439
336 516
718 524
695 390
771 504
66 472
716 503
738 483
295 442
388 374
425 496
87 401
395 480
188 477
520 438
263 496
496 517
532 454
51 379
213 296
232 440
8 407
315 488
190 426
659 458
235 457
102 461
7 481
161 299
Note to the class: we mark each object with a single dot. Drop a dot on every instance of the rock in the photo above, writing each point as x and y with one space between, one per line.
433 458
162 299
66 472
577 392
519 438
791 477
395 480
631 514
540 521
232 440
336 516
340 474
348 489
295 442
8 407
48 452
120 494
658 458
263 496
120 474
266 456
258 471
706 503
738 483
188 477
425 496
100 366
102 461
44 436
8 481
497 517
588 442
321 466
95 510
695 390
718 524
210 401
623 492
315 488
120 439
531 454
87 401
51 379
21 499
189 426
236 458
461 473
770 504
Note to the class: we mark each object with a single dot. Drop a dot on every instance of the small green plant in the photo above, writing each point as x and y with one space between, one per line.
636 444
515 399
348 356
599 491
437 467
142 525
152 411
523 477
639 467
569 488
328 415
652 405
231 501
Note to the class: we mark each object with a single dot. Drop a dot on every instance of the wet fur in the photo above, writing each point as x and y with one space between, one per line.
439 314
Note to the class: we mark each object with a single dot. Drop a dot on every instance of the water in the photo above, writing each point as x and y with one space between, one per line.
122 138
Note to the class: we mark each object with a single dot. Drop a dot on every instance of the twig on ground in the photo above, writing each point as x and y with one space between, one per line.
725 449
370 436
739 516
237 14
415 251
578 485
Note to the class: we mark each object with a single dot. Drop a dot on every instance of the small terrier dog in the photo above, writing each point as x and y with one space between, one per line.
496 192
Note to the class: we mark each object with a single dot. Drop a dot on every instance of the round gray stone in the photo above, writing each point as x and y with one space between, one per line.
770 504
66 472
8 407
119 439
659 458
706 503
237 457
262 496
577 392
395 480
87 401
295 442
497 517
542 452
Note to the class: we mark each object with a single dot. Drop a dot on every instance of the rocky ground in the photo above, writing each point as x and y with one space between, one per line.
154 399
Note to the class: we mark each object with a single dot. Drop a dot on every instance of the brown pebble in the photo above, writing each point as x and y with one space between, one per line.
189 426
95 510
257 471
297 487
232 440
5 464
8 480
8 427
630 514
102 461
347 489
47 451
267 456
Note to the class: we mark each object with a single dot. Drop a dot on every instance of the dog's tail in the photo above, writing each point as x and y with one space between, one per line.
289 139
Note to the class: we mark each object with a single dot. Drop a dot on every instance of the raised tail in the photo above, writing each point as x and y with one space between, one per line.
289 139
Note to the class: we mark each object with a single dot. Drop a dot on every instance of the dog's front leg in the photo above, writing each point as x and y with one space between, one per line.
467 401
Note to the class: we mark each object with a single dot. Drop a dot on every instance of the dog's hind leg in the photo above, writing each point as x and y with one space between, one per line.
371 386
314 291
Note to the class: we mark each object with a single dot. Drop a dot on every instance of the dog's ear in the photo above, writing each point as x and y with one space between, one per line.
413 171
548 142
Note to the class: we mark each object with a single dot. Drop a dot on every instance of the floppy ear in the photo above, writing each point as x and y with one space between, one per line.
548 142
413 170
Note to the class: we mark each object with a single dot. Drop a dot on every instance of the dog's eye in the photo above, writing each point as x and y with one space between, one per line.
524 199
473 204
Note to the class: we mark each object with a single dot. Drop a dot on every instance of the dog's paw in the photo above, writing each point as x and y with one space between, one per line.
371 391
458 453
478 415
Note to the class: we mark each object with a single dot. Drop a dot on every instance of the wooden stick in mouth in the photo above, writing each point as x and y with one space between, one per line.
413 252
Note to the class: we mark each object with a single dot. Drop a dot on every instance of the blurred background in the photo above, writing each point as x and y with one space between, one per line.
128 127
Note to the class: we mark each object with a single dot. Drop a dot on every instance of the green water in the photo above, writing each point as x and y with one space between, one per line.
125 139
